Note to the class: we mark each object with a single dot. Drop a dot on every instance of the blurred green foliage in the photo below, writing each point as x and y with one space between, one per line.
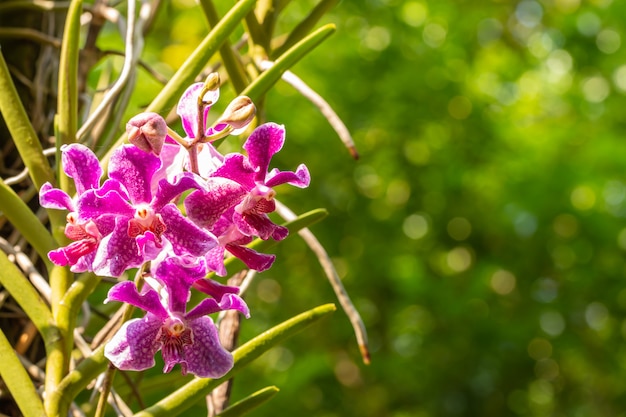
481 234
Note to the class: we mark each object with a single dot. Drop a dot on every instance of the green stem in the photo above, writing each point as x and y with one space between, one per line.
59 400
231 63
67 104
21 130
183 398
249 403
24 220
267 79
18 382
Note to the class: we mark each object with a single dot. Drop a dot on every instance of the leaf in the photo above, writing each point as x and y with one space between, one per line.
194 391
24 220
18 381
67 103
21 129
249 403
22 291
268 78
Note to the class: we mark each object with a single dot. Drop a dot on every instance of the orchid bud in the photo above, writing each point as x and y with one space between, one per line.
147 131
212 82
239 113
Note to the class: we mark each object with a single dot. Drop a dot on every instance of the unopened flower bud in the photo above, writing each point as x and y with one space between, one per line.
147 131
239 113
212 82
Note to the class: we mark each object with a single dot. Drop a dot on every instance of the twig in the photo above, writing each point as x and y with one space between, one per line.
328 112
25 264
133 47
331 273
24 174
217 401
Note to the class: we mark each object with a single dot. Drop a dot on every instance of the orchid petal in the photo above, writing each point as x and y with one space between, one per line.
206 358
50 197
82 165
184 235
236 167
134 345
262 144
301 178
166 192
126 292
205 207
210 306
134 169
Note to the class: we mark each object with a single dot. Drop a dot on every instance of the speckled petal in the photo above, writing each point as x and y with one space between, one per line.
134 345
259 225
185 236
82 165
166 191
205 207
50 197
117 252
236 167
126 292
178 275
206 358
215 260
134 168
262 144
105 201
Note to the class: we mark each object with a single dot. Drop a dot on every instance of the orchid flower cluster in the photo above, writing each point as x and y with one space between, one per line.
175 208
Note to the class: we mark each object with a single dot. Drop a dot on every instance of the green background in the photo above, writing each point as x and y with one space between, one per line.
481 233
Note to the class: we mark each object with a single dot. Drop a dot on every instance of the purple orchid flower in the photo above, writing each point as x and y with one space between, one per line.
80 164
188 338
251 172
143 213
212 208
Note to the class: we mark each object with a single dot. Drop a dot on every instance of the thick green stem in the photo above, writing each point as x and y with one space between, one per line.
231 63
183 398
17 381
21 129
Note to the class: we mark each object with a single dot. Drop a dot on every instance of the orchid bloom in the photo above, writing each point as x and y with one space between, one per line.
250 215
188 338
80 164
144 214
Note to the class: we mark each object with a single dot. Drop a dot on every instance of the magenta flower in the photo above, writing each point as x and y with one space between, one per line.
144 214
80 164
122 224
188 338
250 215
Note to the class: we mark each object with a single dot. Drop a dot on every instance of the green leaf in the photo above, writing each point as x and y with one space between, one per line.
249 403
268 78
170 94
24 220
21 130
22 291
18 382
86 371
194 391
67 103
